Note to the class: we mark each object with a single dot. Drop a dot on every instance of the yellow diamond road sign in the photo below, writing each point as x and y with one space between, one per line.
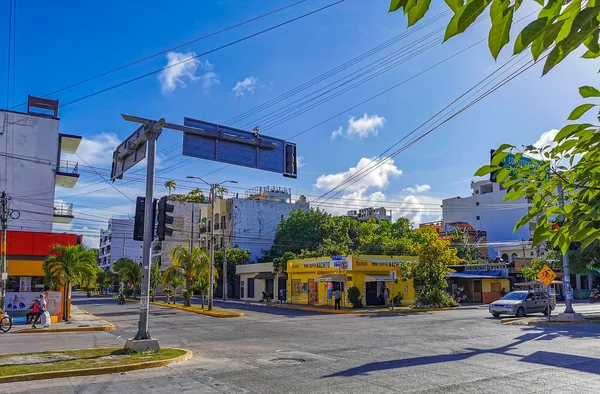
546 275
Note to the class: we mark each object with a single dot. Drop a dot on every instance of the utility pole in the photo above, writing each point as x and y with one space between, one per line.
3 269
212 247
566 271
225 284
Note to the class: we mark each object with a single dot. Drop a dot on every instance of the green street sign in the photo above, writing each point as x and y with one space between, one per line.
511 162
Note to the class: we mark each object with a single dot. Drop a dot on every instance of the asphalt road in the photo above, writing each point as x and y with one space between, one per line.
285 351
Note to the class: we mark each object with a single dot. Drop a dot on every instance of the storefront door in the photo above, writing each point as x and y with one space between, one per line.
371 293
477 291
312 291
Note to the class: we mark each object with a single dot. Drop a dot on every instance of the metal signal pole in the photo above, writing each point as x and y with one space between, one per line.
3 269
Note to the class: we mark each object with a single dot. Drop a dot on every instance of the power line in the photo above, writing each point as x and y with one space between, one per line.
103 74
202 54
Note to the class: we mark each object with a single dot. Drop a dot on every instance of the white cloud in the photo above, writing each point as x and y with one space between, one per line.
182 66
369 173
248 85
361 127
96 150
418 189
300 162
419 209
337 133
364 126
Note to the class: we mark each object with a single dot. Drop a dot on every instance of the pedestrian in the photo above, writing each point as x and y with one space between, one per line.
35 308
338 299
281 295
386 295
41 311
502 292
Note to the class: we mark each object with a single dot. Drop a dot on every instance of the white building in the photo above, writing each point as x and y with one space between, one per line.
365 214
117 242
31 168
485 210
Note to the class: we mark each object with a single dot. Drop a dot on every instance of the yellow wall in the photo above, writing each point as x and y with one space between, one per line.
25 268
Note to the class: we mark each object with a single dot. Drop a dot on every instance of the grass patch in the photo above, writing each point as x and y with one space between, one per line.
26 363
198 308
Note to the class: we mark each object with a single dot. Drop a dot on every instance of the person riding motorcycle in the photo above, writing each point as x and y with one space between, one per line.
121 298
594 296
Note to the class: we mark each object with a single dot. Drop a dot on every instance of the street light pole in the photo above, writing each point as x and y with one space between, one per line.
566 270
211 280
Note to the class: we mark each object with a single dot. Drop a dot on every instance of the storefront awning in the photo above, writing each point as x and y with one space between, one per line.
265 275
378 278
330 278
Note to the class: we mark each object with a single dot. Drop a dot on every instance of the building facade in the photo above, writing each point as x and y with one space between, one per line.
365 214
31 148
309 279
485 210
117 242
258 278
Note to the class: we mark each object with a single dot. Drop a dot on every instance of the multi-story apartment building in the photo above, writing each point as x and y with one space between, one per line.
31 167
365 214
117 242
485 209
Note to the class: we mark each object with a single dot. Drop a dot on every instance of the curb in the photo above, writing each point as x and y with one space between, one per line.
109 327
95 371
201 312
359 312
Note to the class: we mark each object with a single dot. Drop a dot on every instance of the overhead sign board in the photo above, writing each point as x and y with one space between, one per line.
129 153
210 141
546 275
510 161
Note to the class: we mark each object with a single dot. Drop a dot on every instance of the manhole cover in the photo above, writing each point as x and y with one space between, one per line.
288 361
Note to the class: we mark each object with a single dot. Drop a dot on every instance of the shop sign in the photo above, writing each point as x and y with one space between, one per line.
25 283
18 301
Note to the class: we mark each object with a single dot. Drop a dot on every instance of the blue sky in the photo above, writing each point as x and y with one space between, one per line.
58 44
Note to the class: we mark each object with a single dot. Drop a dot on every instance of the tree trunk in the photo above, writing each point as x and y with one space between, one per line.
203 301
66 302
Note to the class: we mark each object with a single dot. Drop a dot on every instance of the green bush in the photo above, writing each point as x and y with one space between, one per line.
435 298
398 299
128 292
354 297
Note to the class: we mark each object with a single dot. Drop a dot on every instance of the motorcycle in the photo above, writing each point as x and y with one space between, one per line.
121 300
594 296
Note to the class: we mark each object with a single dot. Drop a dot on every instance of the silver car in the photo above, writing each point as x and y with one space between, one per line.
521 303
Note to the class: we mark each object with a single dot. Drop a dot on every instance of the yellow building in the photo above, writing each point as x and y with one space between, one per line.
309 279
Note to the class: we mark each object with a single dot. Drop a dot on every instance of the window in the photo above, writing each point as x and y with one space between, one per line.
242 294
476 191
478 217
477 204
495 287
296 287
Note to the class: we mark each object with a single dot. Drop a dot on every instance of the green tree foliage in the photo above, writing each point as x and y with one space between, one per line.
155 277
552 259
70 264
570 163
464 250
130 272
583 261
393 239
301 230
189 267
105 279
354 297
280 263
170 185
429 272
235 257
558 28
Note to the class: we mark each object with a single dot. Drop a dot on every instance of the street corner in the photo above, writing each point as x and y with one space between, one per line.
19 367
80 321
214 312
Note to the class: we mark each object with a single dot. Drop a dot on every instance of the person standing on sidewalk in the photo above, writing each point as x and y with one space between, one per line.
386 295
338 299
42 309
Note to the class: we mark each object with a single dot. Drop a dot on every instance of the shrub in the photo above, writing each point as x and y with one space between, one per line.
354 297
128 292
435 298
398 299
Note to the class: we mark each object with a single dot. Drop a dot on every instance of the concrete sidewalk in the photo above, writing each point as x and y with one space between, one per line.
80 320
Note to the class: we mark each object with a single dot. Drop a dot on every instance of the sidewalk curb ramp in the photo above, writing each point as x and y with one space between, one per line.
108 327
95 371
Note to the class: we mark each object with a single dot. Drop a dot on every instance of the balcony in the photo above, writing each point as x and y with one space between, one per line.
63 213
69 143
67 173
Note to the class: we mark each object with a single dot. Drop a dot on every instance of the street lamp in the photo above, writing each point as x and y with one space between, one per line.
213 188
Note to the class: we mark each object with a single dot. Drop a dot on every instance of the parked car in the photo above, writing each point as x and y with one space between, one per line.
522 303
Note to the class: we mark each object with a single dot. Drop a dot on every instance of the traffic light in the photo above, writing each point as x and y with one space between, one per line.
164 219
290 161
138 223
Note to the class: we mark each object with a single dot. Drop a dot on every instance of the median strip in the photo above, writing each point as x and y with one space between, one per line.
214 312
82 362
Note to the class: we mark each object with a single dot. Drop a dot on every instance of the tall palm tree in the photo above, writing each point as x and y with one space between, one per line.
104 279
190 266
171 185
70 264
128 271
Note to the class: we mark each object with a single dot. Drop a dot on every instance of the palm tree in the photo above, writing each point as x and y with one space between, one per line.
70 264
128 271
104 279
188 266
171 185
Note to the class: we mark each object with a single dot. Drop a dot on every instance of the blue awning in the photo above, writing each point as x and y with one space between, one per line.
478 274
